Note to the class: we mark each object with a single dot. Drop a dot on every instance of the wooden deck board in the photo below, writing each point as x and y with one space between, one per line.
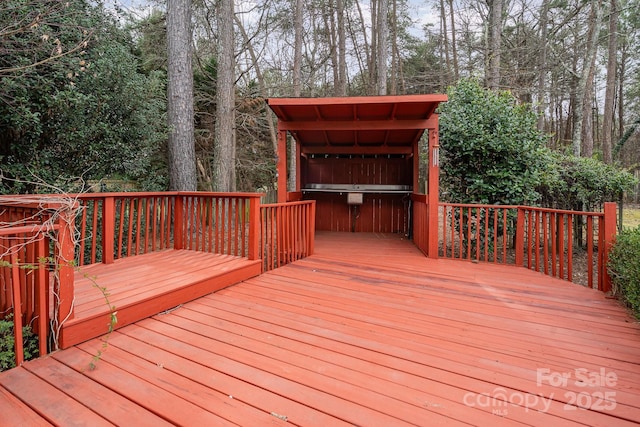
366 331
105 402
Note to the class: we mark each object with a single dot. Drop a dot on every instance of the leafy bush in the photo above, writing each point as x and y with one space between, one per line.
7 344
624 268
570 182
491 148
89 112
492 153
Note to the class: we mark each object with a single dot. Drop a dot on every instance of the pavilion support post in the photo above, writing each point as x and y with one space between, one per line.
298 166
281 165
433 199
416 168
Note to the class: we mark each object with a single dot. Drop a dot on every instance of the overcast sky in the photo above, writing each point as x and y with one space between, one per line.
424 11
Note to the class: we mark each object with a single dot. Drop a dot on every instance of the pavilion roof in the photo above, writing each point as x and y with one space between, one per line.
367 124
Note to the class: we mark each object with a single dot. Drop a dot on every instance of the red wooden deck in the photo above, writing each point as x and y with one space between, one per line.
366 331
144 285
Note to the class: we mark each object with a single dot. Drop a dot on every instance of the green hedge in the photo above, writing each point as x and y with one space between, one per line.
7 341
624 268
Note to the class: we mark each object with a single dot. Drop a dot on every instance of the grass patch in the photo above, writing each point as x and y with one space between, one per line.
631 216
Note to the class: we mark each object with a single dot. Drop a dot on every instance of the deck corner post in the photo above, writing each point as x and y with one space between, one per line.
108 229
64 287
610 231
312 228
254 227
520 237
178 222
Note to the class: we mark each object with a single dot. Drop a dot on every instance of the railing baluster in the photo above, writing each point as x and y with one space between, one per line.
590 250
287 232
601 265
536 231
561 237
83 235
94 231
147 218
43 295
554 244
545 241
570 248
138 223
544 238
121 227
17 312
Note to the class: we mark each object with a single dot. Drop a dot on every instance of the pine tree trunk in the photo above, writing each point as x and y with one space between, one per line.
454 48
341 90
612 66
383 46
494 42
589 58
297 84
542 72
182 151
445 40
225 147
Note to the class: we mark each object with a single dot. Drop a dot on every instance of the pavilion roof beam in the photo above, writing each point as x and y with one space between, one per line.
327 125
350 149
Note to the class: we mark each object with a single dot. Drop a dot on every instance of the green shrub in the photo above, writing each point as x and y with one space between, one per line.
491 148
7 344
624 268
570 182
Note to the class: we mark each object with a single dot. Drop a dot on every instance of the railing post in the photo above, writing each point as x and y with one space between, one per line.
43 294
178 222
108 229
17 308
520 237
64 288
254 228
312 227
610 230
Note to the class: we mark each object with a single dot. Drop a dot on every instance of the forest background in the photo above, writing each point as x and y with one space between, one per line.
83 84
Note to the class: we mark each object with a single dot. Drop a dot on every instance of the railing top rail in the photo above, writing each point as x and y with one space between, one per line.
300 202
44 201
133 194
523 207
57 201
7 231
478 205
220 194
560 211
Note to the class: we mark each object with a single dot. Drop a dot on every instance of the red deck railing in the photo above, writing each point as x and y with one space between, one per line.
24 293
102 228
287 232
117 225
92 228
569 245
